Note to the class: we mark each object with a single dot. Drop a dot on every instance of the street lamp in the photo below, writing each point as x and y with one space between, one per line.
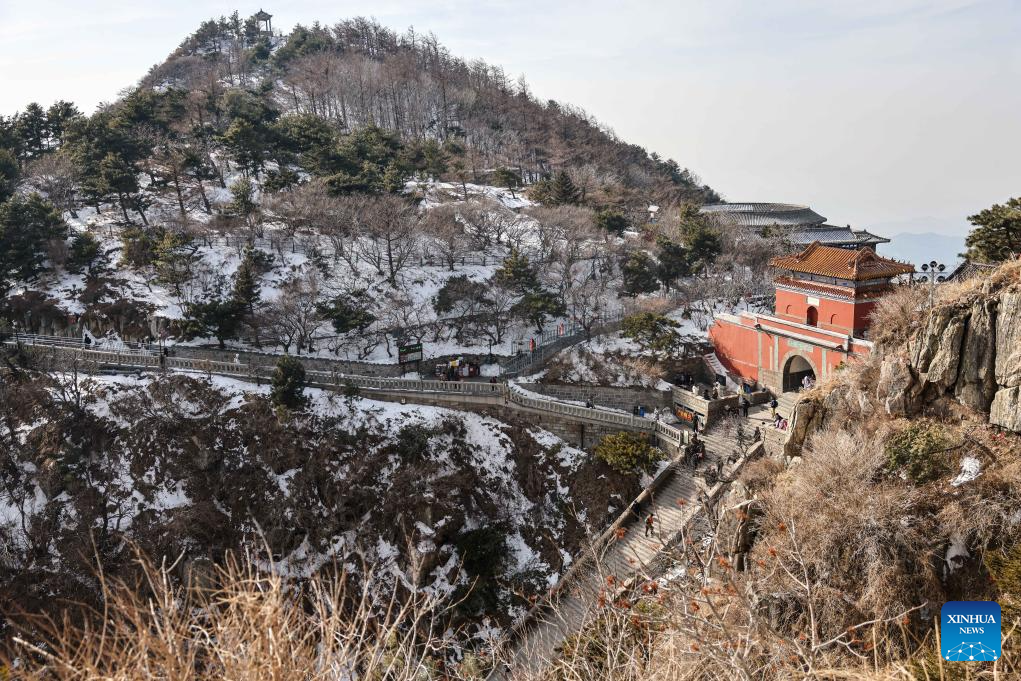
932 273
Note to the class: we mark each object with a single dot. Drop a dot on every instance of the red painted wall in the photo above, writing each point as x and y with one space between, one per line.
736 347
834 315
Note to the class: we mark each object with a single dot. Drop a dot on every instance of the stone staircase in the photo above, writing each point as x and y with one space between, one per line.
787 402
629 557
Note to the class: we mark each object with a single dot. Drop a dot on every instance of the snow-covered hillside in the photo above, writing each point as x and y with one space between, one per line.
176 462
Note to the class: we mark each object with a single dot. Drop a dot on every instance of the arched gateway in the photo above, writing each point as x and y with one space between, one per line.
795 371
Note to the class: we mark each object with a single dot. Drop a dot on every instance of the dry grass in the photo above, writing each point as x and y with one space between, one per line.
896 315
248 626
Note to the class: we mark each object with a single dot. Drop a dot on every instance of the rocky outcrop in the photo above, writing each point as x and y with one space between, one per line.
967 352
976 380
970 351
936 352
894 389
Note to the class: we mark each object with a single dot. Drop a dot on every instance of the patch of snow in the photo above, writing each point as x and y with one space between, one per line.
971 468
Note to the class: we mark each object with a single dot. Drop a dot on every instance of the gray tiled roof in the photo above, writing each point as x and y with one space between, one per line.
831 235
764 214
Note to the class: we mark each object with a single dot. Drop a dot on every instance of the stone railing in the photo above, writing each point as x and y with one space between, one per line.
673 437
335 380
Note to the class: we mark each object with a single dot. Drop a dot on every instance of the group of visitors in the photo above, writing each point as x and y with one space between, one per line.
779 422
694 451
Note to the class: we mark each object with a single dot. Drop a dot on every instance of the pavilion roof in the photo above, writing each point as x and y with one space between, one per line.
262 15
841 263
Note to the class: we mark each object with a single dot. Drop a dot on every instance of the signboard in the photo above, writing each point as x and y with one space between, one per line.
409 353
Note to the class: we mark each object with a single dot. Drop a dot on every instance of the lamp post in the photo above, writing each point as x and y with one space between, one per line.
932 272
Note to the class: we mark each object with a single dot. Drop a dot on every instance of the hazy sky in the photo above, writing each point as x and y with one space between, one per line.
901 115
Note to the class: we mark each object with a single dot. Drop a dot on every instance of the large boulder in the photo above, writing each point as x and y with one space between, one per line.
937 350
736 531
807 418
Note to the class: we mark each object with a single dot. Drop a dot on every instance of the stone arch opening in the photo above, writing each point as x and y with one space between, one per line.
812 316
795 371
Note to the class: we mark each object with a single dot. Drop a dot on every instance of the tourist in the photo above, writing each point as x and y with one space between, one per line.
773 404
757 435
716 392
806 382
745 404
636 509
650 527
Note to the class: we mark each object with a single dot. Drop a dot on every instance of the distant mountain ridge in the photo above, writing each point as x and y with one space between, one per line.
925 247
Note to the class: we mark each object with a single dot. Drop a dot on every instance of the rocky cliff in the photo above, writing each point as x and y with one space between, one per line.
959 354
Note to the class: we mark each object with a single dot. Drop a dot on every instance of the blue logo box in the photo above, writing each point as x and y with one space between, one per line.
969 631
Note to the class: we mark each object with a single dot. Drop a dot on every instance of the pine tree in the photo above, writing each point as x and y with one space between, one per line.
673 262
704 246
505 177
174 257
654 333
997 233
9 174
393 178
561 191
517 274
639 275
287 387
613 221
348 312
31 127
702 241
215 316
627 452
247 290
85 254
27 224
537 306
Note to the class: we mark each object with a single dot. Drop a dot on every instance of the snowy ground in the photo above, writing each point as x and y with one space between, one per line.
408 305
156 491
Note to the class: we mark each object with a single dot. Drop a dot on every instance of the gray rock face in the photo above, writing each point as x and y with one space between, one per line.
976 376
895 387
1005 411
737 524
937 351
971 353
1008 341
807 418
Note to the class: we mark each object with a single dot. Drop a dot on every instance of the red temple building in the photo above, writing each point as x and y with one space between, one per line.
824 297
